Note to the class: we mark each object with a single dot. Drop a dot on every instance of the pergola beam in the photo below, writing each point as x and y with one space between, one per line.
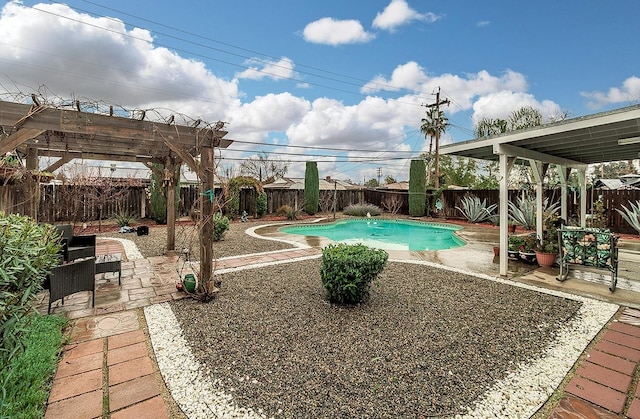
18 138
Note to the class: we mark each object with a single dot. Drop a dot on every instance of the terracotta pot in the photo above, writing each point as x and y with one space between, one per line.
496 250
546 259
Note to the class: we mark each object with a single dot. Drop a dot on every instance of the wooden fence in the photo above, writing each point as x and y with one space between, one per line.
58 203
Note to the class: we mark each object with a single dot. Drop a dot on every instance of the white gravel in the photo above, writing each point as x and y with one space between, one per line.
519 395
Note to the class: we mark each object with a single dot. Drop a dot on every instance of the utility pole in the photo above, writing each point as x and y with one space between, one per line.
437 106
379 171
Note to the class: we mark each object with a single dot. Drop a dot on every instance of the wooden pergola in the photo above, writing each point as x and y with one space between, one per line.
42 130
569 145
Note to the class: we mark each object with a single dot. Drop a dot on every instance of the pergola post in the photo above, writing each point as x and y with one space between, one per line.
32 184
172 171
206 232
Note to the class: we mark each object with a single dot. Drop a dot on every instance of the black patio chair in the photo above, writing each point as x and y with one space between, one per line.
76 247
69 278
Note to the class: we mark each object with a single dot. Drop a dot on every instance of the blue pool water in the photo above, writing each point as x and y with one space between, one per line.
385 234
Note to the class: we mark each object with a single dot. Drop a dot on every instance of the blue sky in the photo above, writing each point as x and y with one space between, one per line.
339 82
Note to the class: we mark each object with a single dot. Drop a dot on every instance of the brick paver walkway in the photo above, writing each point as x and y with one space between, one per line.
605 384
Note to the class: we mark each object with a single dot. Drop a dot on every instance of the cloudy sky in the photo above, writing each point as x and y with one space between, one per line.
340 82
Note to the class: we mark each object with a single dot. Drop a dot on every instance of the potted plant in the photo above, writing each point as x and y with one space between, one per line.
548 249
546 253
528 249
514 244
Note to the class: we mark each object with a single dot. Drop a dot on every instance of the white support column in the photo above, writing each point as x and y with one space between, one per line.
504 214
582 180
536 168
563 174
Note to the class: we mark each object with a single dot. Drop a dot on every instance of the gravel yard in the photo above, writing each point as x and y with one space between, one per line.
428 342
235 241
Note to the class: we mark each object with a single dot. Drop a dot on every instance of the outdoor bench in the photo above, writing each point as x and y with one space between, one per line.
69 278
590 247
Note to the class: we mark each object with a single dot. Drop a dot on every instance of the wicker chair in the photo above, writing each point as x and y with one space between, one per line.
73 277
76 247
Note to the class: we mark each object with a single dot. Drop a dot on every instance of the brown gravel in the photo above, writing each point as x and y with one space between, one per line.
428 341
235 241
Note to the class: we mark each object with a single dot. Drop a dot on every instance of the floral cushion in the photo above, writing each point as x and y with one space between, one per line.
587 246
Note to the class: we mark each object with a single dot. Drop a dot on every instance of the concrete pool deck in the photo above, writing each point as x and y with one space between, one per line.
477 256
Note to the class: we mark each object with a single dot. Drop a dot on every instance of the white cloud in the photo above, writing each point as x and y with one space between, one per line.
464 90
629 92
501 104
398 13
483 23
75 54
336 32
270 113
276 70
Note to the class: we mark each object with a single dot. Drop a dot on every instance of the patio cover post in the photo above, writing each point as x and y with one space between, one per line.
505 168
563 174
538 170
582 180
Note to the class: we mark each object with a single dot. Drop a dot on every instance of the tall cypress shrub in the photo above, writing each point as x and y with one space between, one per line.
417 188
311 188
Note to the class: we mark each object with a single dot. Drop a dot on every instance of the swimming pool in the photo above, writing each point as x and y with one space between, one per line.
385 234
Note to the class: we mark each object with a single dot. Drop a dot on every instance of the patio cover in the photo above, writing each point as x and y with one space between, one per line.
570 144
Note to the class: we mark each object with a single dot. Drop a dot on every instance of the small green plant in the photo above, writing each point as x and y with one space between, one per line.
124 218
631 214
598 217
348 270
25 378
261 204
474 210
220 226
362 210
515 242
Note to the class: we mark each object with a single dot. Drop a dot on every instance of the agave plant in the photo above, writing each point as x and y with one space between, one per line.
474 210
524 211
631 214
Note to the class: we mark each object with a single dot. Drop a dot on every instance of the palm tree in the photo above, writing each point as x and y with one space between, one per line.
434 125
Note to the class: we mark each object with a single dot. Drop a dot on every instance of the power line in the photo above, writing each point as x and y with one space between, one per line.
381 85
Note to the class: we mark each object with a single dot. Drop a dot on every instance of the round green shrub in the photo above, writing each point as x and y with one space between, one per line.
348 270
220 226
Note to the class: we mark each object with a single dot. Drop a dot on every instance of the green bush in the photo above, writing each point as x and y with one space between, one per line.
311 188
261 204
220 226
417 188
348 270
28 251
124 218
361 210
25 381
